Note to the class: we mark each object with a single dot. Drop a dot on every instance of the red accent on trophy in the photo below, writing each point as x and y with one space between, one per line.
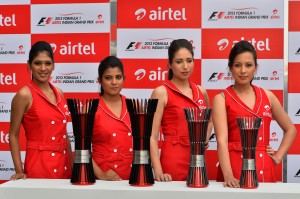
83 115
249 127
141 116
197 120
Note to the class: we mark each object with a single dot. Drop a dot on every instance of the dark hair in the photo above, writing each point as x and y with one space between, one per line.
37 48
174 47
109 62
241 47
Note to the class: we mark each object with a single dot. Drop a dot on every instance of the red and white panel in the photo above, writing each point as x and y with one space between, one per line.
154 43
63 18
13 77
76 77
150 73
159 14
217 43
15 19
242 14
293 169
78 48
294 47
216 74
14 48
14 2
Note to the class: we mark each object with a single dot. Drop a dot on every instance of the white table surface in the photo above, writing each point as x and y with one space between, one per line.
62 189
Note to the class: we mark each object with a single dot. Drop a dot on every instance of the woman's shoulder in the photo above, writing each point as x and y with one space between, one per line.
23 95
160 92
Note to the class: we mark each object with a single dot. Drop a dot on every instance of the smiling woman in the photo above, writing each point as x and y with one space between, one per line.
243 99
43 112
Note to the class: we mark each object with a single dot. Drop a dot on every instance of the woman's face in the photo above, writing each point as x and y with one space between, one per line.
41 67
112 81
243 68
182 64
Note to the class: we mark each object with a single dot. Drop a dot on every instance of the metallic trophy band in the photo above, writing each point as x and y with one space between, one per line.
82 156
249 127
141 157
141 117
83 115
197 120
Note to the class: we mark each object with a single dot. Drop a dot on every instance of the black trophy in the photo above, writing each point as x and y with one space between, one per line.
83 115
197 120
141 116
249 127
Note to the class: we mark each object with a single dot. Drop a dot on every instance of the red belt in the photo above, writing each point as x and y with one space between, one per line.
43 146
116 157
177 139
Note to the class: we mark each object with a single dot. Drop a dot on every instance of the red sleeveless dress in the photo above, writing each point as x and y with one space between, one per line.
236 108
175 152
45 129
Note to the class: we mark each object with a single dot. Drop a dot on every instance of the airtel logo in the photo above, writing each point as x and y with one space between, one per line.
153 75
260 45
267 107
73 49
8 79
4 138
161 15
8 21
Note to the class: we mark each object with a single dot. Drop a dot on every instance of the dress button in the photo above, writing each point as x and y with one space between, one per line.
64 136
52 122
130 149
65 106
261 172
53 154
64 121
116 166
115 150
65 167
261 155
260 138
64 151
241 156
55 170
114 134
129 133
53 138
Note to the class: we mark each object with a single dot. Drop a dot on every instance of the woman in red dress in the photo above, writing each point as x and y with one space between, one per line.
112 140
43 112
176 93
243 99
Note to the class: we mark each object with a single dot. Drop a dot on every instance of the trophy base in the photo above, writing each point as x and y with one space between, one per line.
82 183
254 187
141 185
196 186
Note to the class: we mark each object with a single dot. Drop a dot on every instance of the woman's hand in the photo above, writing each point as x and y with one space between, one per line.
272 154
18 176
110 175
206 145
232 182
165 177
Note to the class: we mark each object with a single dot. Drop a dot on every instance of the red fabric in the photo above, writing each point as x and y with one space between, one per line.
112 140
236 108
45 129
175 152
